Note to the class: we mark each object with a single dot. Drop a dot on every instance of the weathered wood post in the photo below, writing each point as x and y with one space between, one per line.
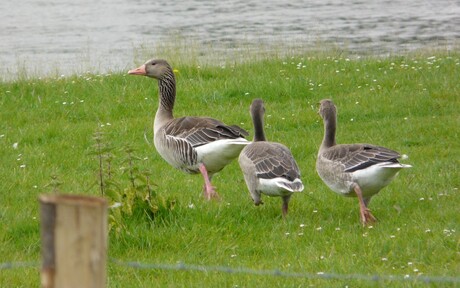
74 241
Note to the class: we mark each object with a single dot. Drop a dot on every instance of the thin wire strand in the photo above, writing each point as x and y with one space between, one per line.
242 270
16 265
276 272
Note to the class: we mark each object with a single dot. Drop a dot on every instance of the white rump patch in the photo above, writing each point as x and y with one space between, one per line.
279 186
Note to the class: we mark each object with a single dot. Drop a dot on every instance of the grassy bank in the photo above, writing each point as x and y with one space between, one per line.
407 103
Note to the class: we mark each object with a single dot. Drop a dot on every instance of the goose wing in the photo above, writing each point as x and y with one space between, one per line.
360 156
272 160
199 131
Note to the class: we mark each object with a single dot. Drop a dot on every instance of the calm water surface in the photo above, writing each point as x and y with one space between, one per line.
66 36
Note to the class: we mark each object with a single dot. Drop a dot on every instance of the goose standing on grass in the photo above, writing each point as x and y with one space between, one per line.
360 170
192 144
268 167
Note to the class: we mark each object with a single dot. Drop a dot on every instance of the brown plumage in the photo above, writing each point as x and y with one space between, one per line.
192 144
268 167
360 170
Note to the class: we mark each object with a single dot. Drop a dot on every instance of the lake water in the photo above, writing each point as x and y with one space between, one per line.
43 37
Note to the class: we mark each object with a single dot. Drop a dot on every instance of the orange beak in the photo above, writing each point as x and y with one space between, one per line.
138 71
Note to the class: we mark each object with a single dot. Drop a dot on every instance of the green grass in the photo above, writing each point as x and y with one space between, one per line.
408 103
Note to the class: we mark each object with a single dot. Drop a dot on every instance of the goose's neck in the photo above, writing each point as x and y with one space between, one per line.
259 134
330 125
167 97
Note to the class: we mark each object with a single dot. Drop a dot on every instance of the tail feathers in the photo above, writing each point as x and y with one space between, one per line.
294 186
396 165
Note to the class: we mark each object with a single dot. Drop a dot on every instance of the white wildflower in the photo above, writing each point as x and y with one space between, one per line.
115 205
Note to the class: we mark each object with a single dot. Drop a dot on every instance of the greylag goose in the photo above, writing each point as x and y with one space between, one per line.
268 167
354 170
192 144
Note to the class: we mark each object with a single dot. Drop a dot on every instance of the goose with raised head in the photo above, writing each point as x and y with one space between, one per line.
192 144
268 167
354 170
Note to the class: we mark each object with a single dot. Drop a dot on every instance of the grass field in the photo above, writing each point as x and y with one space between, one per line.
409 103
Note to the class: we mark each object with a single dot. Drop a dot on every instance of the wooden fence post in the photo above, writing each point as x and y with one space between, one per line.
74 241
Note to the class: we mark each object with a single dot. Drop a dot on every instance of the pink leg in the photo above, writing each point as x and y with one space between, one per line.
208 189
365 213
285 209
285 205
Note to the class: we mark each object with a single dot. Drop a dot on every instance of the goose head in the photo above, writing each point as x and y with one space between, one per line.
257 111
327 109
257 108
328 112
155 68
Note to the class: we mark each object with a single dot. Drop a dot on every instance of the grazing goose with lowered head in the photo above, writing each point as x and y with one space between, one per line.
268 167
360 170
192 144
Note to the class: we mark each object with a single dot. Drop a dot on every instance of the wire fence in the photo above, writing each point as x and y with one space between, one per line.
255 272
15 265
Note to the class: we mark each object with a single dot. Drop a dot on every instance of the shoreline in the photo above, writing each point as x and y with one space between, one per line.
183 52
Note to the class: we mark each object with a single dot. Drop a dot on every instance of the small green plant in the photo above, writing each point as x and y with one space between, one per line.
131 194
54 183
104 154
